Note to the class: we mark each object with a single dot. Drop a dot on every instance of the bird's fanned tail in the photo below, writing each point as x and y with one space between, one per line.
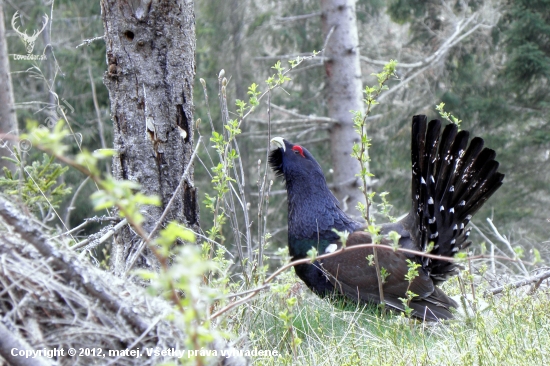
449 184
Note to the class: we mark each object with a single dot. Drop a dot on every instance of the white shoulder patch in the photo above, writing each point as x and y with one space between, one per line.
331 248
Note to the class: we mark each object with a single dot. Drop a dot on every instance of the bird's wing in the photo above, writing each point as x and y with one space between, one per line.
353 276
351 273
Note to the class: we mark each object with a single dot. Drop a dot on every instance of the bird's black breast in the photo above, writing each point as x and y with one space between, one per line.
314 278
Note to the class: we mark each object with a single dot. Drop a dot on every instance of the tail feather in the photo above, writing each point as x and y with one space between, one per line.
418 135
491 185
450 183
417 151
443 166
469 191
464 167
470 174
428 181
454 162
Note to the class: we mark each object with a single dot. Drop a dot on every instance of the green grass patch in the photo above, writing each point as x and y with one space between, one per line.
512 329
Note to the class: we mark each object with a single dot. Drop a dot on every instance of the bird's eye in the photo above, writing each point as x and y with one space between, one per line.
298 150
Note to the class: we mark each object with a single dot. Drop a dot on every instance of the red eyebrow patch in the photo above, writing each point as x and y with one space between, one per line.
299 149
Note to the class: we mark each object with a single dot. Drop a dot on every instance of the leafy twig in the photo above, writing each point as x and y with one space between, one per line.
448 116
360 152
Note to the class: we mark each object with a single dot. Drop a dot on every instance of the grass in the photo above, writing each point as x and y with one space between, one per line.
511 329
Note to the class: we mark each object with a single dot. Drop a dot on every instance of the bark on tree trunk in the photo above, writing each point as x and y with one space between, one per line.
151 69
8 120
344 94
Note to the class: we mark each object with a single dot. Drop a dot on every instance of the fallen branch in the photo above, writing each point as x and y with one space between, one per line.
110 232
9 342
51 299
70 267
504 240
535 279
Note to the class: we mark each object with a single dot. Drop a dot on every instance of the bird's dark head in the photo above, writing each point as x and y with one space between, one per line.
293 162
313 211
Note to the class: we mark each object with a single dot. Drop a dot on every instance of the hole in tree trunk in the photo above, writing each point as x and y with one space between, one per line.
190 204
182 122
129 34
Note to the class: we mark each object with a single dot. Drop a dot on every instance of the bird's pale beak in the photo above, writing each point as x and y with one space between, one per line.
279 142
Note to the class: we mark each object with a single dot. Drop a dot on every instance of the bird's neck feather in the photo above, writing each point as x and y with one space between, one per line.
313 212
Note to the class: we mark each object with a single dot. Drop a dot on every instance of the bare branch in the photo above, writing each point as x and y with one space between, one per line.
535 279
68 266
455 38
507 243
441 51
49 296
86 222
97 112
71 206
299 17
88 41
292 121
310 66
303 116
10 341
285 57
110 232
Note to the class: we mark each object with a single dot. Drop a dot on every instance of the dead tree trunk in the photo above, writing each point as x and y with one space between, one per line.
343 73
151 69
8 121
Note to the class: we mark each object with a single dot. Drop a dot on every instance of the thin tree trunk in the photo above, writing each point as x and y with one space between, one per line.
343 74
151 69
8 120
237 18
237 14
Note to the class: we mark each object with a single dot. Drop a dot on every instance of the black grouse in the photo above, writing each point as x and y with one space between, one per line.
450 182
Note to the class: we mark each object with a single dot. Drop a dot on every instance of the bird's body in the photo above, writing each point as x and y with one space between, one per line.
450 183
